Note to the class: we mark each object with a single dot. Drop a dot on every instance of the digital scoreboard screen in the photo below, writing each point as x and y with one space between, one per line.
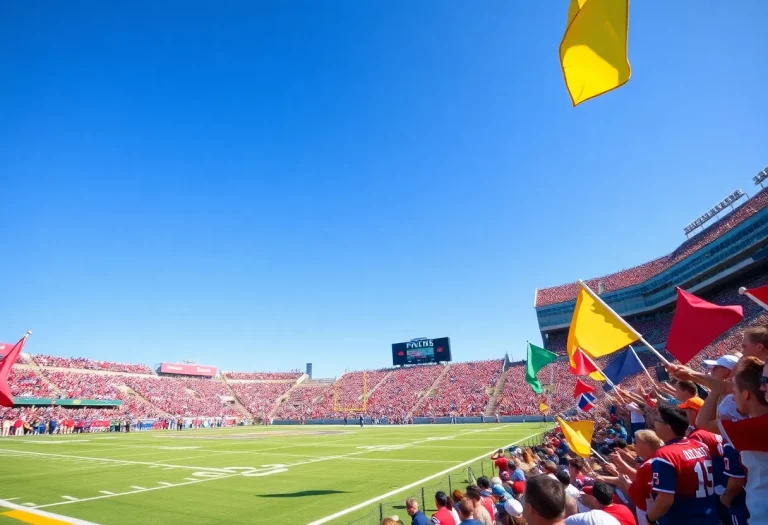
421 351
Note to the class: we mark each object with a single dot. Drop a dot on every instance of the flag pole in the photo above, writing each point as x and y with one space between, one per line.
607 379
744 291
625 323
641 364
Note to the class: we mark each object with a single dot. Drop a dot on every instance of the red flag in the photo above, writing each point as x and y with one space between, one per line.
582 388
759 295
6 398
697 323
581 366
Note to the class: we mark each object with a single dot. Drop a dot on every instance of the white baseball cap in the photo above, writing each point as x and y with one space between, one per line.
728 361
513 507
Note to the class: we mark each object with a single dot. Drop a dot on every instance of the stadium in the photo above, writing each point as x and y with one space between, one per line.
107 442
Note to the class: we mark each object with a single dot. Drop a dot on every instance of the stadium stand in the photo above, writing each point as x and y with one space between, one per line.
639 274
463 389
89 364
260 397
263 376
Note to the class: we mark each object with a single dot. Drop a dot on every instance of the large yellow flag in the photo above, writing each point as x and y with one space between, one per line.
578 434
543 408
593 53
596 329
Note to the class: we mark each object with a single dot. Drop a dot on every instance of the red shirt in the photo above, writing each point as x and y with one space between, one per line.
443 517
622 514
489 506
640 490
502 464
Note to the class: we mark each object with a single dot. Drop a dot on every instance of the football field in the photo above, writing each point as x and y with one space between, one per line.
279 474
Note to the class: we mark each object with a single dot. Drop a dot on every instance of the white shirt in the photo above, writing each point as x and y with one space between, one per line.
635 414
727 409
574 492
593 517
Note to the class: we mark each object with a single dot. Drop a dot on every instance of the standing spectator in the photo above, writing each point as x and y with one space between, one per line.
486 495
443 516
681 480
599 500
501 462
481 514
735 498
544 501
412 508
639 489
517 473
466 510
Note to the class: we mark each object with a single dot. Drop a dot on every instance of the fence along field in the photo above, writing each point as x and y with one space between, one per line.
301 475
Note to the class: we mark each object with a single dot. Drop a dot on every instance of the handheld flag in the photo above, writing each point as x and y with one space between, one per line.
581 366
625 365
578 434
697 323
543 408
758 295
538 358
593 52
586 402
582 388
595 328
6 397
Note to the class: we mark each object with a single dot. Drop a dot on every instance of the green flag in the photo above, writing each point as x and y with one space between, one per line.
538 358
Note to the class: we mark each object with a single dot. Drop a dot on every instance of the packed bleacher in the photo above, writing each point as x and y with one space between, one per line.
301 402
186 397
463 389
259 398
401 390
263 376
90 364
639 274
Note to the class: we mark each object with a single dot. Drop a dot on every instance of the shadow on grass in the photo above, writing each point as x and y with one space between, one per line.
302 493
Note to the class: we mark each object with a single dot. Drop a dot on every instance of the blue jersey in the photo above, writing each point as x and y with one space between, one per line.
684 468
735 469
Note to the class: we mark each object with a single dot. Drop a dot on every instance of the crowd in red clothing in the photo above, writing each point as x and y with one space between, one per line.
260 397
301 402
263 376
90 364
642 273
185 397
25 382
401 390
463 390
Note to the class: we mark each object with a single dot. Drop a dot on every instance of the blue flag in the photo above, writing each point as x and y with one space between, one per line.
625 365
586 402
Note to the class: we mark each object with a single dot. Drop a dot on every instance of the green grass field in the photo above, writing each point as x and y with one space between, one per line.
279 474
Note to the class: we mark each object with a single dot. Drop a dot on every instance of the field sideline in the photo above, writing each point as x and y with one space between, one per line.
280 474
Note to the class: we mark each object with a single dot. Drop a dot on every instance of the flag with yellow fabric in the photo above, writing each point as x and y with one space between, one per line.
543 408
593 52
578 434
596 329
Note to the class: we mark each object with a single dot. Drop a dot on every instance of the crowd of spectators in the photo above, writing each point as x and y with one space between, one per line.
463 390
639 274
401 390
259 398
263 376
25 382
186 397
90 364
301 402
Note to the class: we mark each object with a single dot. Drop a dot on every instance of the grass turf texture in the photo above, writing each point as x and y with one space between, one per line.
278 474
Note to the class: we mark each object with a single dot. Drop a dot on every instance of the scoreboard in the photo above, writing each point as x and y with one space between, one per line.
420 351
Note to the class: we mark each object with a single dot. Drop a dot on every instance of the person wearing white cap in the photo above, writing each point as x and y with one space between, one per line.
722 368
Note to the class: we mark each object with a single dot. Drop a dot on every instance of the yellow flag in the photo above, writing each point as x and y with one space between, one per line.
596 329
593 53
543 408
578 434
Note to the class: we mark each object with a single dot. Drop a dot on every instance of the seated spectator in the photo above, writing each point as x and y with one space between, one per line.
412 508
544 501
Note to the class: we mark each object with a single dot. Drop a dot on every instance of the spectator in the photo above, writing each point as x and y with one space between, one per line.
457 497
517 473
467 512
681 484
600 500
501 462
544 501
444 514
481 514
412 508
639 488
564 478
735 497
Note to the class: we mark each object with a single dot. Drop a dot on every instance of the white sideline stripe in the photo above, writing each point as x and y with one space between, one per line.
165 483
192 479
11 499
108 493
410 486
137 488
28 504
70 498
129 492
74 521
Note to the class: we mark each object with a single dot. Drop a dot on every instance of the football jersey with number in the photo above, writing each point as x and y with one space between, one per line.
684 468
714 443
735 469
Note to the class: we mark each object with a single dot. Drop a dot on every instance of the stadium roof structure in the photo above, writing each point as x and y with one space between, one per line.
641 273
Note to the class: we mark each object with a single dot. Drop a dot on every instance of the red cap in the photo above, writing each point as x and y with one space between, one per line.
518 487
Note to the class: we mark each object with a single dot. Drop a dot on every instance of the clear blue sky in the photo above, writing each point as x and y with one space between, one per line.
257 185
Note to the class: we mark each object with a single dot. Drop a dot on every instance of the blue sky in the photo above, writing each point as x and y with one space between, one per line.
258 185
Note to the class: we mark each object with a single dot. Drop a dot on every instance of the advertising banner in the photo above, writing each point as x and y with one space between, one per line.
188 370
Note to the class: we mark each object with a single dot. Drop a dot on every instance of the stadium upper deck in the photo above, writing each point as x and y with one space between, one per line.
735 243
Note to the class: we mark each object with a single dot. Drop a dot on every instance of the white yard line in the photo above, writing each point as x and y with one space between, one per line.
140 488
69 498
410 486
108 493
50 515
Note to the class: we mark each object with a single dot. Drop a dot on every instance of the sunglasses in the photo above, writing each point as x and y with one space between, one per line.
764 380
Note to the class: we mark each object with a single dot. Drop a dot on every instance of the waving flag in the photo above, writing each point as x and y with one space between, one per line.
625 365
578 434
697 323
582 388
538 358
758 295
586 402
581 366
593 53
6 397
543 408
